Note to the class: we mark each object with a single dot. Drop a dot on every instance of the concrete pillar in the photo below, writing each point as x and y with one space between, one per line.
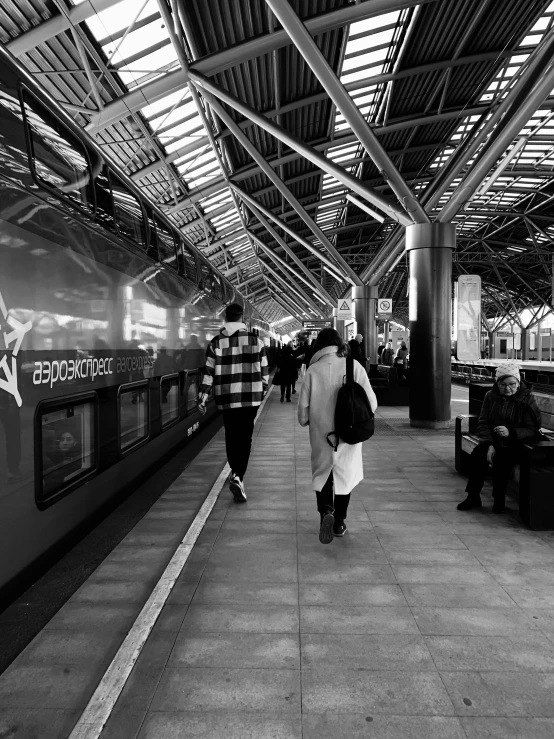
365 307
430 246
386 330
492 339
524 344
338 325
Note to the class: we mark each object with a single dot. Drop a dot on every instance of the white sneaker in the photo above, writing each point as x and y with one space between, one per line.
236 486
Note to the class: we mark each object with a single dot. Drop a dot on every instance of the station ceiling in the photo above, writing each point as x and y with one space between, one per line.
228 124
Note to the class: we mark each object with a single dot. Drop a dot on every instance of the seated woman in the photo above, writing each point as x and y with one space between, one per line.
509 415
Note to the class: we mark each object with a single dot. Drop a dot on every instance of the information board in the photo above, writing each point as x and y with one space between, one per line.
469 317
344 309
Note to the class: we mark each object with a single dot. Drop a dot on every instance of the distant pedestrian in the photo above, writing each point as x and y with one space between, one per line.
401 360
287 371
236 368
388 354
380 351
337 471
356 349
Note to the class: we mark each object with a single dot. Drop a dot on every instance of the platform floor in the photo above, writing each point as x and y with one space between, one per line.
422 622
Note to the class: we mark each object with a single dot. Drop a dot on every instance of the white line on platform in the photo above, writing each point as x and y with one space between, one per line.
93 719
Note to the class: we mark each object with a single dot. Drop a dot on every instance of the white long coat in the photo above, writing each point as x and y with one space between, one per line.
316 406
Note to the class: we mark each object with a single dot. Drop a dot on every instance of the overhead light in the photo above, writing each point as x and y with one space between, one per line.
333 274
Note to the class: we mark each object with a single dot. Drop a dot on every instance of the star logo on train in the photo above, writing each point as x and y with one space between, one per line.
12 344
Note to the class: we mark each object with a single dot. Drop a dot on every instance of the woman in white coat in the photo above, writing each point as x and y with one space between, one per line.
343 469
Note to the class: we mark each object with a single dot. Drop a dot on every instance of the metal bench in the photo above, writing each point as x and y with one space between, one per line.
533 478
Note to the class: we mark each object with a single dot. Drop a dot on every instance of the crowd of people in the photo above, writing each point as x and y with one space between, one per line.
236 369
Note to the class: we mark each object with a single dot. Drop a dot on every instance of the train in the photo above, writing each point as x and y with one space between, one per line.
105 313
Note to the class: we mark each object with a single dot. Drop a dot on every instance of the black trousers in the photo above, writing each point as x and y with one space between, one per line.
239 427
286 387
327 501
504 459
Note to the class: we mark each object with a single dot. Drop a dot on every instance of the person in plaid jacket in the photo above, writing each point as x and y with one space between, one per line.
236 369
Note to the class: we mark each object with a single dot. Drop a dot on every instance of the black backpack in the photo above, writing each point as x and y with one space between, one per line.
354 420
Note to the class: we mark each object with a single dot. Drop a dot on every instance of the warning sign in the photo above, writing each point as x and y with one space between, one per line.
384 306
344 309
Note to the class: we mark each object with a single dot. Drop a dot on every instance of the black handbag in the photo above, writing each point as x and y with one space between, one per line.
277 378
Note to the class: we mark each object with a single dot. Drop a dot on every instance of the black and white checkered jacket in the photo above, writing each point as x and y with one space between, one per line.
237 370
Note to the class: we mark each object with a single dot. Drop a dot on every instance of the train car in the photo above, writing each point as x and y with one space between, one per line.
105 313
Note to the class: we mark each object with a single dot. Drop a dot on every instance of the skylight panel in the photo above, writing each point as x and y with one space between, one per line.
143 38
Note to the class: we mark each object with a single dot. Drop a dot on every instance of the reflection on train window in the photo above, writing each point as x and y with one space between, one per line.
129 218
58 159
133 415
166 244
189 261
68 445
169 397
192 392
205 276
217 287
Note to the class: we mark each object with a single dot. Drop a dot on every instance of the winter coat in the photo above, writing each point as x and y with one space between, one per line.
401 355
387 356
288 372
519 413
316 407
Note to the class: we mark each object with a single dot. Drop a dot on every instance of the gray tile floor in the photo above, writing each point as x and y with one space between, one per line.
421 622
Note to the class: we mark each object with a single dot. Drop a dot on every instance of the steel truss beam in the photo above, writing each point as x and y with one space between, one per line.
342 100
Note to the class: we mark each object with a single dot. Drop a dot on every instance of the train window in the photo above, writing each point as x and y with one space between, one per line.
166 244
217 286
104 203
189 261
58 159
169 397
66 446
133 415
192 391
129 217
206 276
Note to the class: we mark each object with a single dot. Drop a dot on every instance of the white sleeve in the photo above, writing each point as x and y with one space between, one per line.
304 401
360 376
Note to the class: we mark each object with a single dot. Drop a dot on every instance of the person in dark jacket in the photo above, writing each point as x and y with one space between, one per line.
387 355
288 372
509 416
356 349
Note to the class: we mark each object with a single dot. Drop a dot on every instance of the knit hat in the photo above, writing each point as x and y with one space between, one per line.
507 370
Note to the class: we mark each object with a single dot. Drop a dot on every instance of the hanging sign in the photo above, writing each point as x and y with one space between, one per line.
468 316
344 309
384 306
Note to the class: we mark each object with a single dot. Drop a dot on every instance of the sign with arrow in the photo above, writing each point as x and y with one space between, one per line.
344 309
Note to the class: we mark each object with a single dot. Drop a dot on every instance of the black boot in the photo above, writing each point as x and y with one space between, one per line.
327 519
473 500
341 506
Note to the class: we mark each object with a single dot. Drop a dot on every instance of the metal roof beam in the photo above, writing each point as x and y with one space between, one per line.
57 24
280 185
323 71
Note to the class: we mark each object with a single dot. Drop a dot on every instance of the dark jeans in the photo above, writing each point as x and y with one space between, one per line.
504 459
9 417
286 386
239 427
326 501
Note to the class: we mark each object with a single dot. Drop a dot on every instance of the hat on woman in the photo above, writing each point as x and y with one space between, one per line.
507 370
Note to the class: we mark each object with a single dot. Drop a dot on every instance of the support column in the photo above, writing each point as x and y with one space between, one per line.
492 338
365 307
430 248
524 344
338 325
386 329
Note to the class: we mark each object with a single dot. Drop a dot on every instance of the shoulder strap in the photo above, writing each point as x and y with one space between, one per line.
349 368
